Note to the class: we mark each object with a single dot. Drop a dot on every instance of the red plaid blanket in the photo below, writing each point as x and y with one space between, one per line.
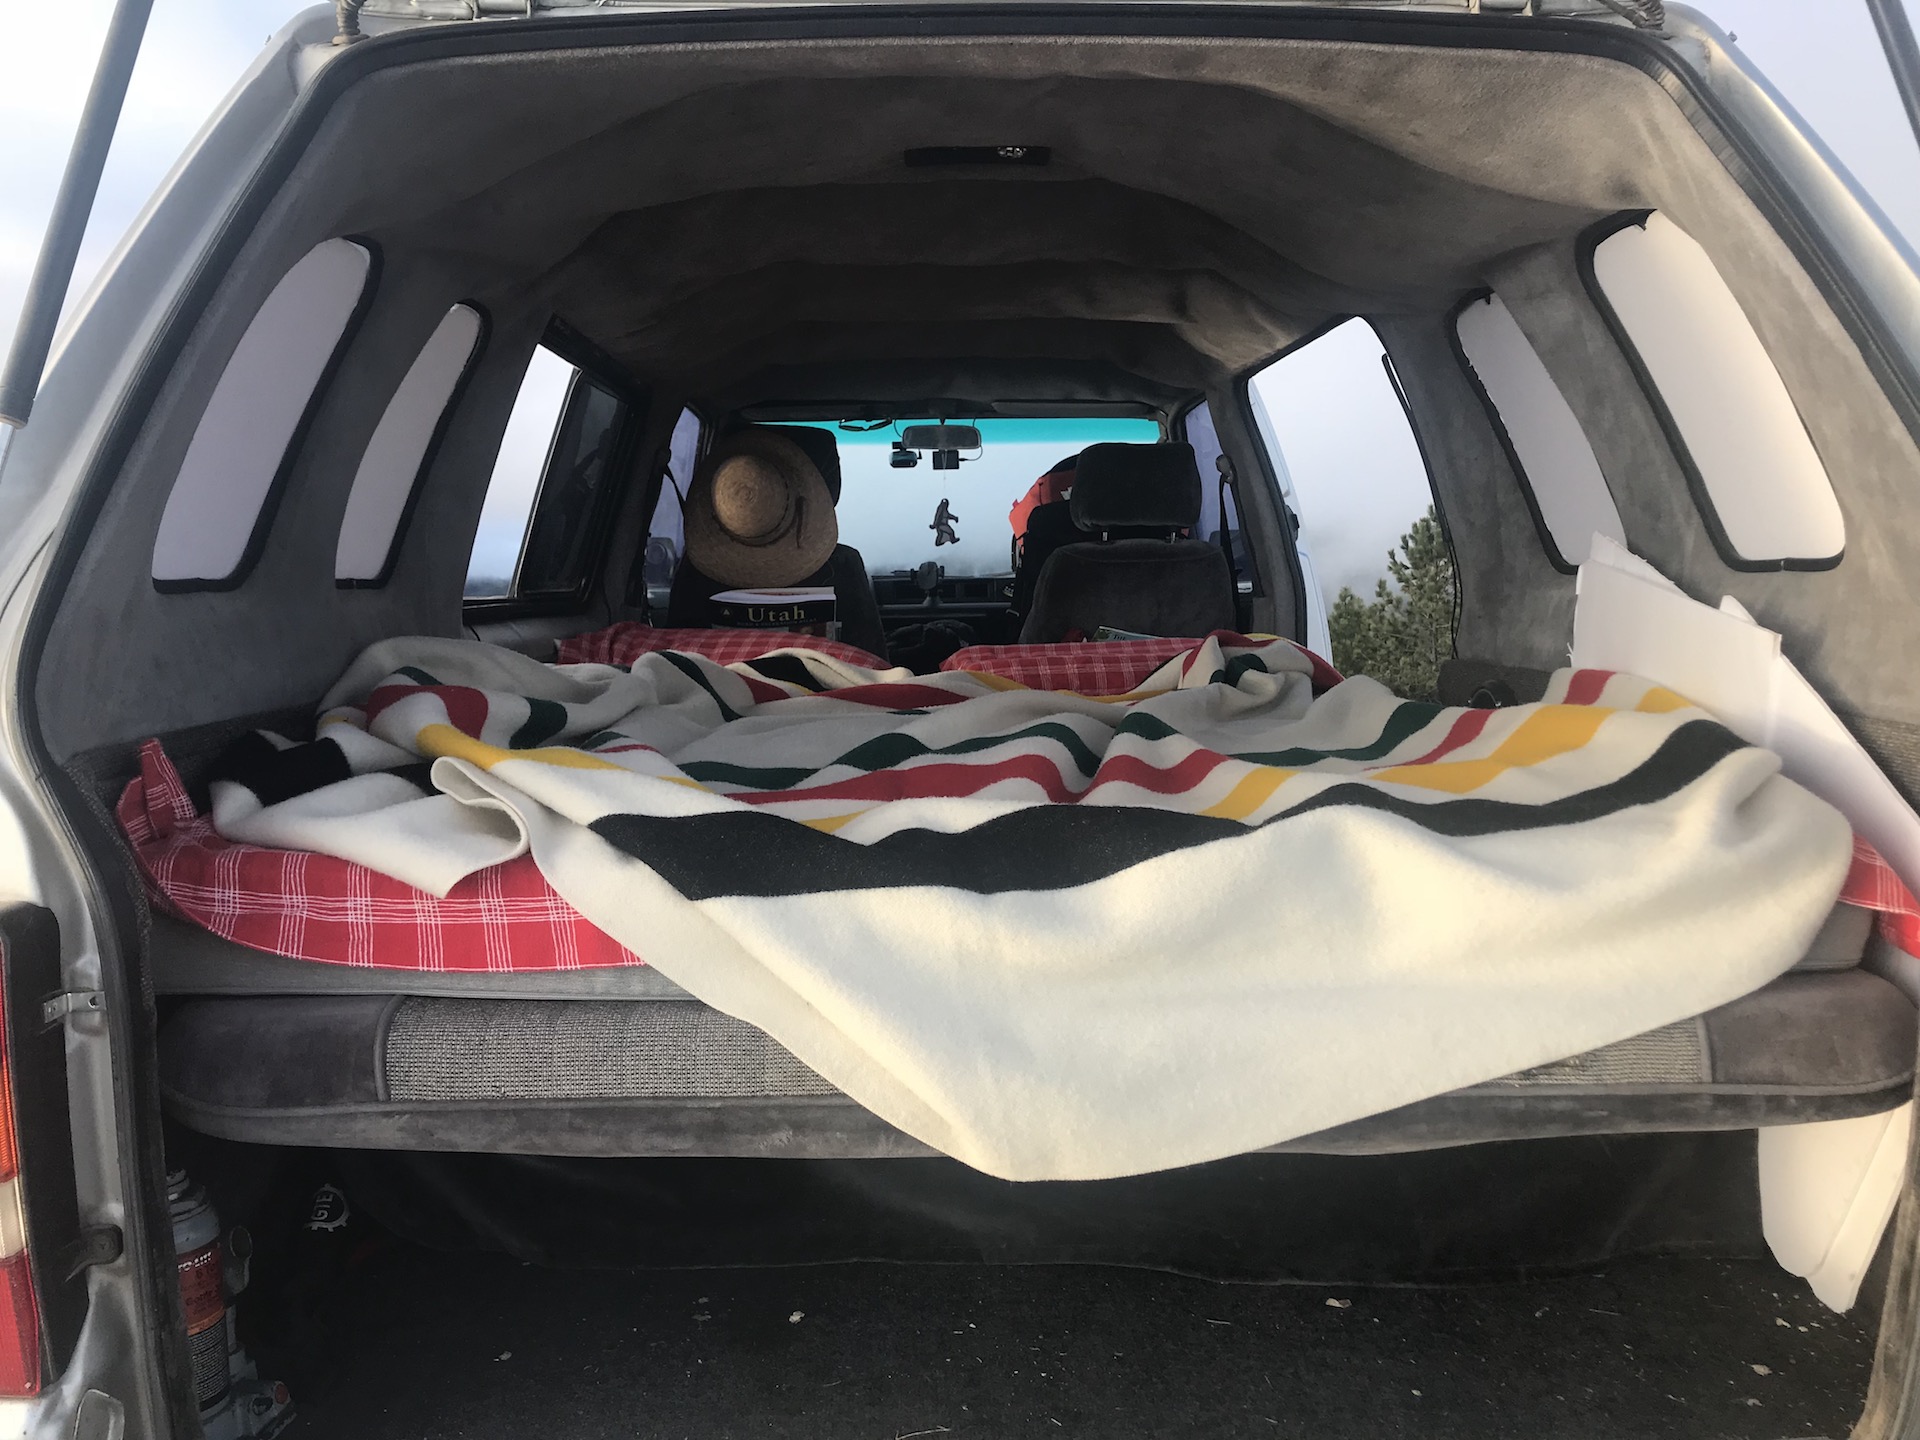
314 907
1872 885
1101 667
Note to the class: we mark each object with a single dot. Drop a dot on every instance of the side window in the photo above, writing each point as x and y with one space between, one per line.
1761 486
396 457
222 500
666 531
555 471
1378 571
1551 456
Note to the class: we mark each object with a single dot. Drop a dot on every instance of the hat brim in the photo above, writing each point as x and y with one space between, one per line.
795 556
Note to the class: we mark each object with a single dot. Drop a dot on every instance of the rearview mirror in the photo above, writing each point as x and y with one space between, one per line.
941 437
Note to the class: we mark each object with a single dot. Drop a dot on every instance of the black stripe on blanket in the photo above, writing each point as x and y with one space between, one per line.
274 774
1056 847
789 668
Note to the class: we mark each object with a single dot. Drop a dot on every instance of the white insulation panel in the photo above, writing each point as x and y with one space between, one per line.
243 434
1768 488
391 465
1557 462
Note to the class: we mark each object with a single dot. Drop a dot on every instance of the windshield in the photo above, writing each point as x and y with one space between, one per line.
888 514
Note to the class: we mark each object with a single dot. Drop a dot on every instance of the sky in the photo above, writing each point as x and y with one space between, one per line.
1345 447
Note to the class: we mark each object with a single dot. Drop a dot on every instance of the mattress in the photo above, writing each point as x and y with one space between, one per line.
666 1075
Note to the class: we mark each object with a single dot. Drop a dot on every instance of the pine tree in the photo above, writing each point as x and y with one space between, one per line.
1406 630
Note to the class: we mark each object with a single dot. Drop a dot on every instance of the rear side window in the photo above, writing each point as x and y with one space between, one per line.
396 458
555 472
222 501
1378 573
1760 485
1550 453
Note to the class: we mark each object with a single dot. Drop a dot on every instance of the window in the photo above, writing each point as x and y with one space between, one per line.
1761 487
887 514
221 503
1351 472
666 532
558 463
1557 470
396 457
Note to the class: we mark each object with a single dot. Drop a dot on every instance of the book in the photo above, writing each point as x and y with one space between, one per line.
804 609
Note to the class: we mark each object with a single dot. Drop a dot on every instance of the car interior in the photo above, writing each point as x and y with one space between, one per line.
472 372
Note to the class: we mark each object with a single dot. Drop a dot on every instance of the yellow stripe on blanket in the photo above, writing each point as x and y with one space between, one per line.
1252 791
1551 731
1661 701
435 741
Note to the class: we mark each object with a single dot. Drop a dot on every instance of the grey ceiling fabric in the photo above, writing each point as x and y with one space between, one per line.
1230 196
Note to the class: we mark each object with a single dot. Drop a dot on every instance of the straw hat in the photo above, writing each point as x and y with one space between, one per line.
759 512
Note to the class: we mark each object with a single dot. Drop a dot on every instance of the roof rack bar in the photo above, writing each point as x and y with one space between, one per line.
1903 55
53 272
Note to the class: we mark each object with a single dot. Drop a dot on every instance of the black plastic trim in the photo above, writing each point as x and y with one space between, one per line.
1547 543
432 452
1591 239
634 595
1439 506
1290 530
36 1058
1228 483
296 442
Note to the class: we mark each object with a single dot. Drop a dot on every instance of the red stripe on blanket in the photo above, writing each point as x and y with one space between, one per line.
466 708
921 782
1173 780
886 696
1464 732
1584 687
764 692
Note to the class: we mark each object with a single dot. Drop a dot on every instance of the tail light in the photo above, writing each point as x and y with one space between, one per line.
19 1311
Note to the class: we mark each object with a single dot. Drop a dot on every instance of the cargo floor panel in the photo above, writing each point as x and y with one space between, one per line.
424 1344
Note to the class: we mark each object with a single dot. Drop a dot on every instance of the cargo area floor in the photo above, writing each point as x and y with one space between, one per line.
414 1343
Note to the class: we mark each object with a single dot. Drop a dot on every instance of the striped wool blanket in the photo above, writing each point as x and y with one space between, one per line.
1065 936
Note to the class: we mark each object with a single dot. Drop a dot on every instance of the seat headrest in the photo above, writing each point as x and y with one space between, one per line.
1136 487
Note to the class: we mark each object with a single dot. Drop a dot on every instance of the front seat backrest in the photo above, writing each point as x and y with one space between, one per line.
1140 573
1049 527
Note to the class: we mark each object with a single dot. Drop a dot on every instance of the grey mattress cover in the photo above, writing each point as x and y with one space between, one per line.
190 961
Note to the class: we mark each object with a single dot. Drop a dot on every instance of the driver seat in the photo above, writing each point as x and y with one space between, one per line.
1141 571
